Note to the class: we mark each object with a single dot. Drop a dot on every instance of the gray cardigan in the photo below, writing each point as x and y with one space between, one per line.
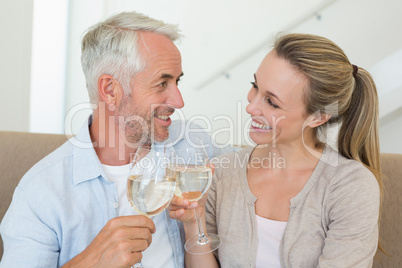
333 220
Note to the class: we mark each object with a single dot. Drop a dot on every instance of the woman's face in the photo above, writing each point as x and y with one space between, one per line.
276 103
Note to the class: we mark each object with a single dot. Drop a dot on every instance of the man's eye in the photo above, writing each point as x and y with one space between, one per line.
163 84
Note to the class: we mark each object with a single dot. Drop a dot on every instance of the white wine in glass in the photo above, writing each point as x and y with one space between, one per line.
151 197
193 175
149 188
193 180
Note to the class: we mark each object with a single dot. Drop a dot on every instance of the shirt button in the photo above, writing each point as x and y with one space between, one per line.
115 205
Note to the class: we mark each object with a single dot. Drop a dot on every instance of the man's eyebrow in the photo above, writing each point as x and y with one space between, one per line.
169 76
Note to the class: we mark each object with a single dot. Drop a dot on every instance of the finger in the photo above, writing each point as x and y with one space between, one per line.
179 201
192 205
139 245
130 259
129 246
136 258
212 168
137 221
176 214
136 233
182 215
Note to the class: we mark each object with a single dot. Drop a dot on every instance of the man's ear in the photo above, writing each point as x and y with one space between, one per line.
317 119
109 89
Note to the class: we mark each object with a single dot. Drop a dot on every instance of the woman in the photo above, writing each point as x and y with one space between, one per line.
297 202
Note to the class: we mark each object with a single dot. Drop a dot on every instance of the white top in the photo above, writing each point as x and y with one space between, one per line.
269 238
160 239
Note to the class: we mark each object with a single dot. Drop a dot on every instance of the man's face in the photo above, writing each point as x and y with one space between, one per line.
154 92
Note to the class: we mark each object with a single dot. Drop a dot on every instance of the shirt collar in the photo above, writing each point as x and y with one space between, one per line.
86 164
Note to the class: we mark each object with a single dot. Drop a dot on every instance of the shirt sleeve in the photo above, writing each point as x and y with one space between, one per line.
352 235
27 240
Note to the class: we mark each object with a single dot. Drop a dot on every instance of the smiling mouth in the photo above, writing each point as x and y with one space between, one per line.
260 126
164 113
163 117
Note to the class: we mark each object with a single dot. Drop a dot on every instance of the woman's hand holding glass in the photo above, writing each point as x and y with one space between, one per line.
193 174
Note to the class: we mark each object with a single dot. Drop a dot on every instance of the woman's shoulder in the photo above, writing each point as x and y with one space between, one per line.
340 164
342 172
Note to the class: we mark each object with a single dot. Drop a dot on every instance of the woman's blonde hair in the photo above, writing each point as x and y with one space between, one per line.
340 89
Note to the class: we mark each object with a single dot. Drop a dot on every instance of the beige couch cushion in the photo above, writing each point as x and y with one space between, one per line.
391 215
18 153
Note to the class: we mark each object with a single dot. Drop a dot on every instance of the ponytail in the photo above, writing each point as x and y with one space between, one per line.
358 135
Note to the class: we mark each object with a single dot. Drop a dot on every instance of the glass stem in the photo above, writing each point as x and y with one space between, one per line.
202 239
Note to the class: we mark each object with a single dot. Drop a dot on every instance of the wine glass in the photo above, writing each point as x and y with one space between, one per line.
193 178
149 189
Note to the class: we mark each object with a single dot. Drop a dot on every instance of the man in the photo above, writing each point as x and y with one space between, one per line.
70 209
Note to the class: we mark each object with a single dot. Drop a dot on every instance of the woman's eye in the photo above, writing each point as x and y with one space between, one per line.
272 104
254 85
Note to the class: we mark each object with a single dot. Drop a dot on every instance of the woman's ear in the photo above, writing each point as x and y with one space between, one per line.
317 119
109 89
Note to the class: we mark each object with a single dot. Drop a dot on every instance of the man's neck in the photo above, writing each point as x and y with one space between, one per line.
109 146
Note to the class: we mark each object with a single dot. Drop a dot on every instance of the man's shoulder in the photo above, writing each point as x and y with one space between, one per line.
183 134
49 165
186 131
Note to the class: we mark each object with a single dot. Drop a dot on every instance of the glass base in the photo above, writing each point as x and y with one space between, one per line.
137 265
201 245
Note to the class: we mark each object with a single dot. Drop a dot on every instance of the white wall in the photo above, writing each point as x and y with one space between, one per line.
48 66
217 34
362 28
223 46
15 66
391 132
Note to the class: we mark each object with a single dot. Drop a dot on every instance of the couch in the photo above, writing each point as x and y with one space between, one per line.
20 151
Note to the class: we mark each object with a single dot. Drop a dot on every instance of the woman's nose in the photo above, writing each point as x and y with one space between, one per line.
253 107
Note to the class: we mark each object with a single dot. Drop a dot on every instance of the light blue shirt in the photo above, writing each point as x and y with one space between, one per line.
62 203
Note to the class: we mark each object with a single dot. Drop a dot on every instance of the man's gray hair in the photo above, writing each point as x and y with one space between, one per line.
111 47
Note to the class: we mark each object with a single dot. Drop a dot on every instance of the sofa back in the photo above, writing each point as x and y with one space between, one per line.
391 213
20 151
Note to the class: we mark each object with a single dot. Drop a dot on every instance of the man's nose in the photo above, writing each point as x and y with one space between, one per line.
175 99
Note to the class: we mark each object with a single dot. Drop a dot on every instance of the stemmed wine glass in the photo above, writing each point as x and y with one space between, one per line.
149 188
193 178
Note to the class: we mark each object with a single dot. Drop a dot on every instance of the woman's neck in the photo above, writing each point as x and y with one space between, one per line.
296 156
